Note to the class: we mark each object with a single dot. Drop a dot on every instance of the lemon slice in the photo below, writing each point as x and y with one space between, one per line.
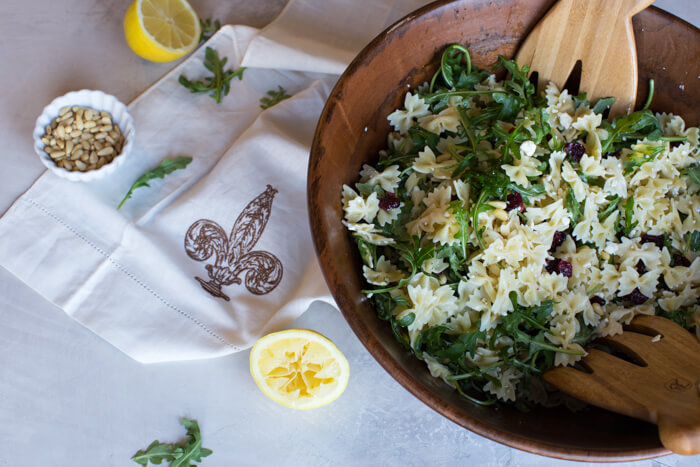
161 30
299 368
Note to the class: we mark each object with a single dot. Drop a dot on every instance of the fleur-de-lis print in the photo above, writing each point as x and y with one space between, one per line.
263 271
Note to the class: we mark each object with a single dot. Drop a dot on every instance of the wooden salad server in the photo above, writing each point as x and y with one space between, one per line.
598 33
664 387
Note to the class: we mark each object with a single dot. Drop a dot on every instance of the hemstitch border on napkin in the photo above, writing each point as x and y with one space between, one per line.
124 271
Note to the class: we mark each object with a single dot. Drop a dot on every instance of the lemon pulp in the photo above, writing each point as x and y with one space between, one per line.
299 368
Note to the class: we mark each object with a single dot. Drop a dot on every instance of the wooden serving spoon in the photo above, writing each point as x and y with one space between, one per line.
663 386
598 33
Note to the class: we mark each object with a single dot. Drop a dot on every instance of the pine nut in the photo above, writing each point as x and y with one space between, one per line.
81 138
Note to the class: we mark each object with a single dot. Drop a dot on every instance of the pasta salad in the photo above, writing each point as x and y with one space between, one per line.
501 231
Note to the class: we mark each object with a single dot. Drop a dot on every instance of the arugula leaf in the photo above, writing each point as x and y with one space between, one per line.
573 206
406 320
415 256
632 127
693 173
534 190
641 154
450 63
581 99
612 207
603 104
177 454
628 225
478 208
208 29
422 138
193 450
275 98
158 452
167 166
462 219
217 85
693 241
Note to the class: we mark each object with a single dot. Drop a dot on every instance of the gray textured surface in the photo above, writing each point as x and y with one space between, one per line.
69 398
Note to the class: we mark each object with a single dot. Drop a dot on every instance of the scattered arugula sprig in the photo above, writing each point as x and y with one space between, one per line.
167 166
217 85
275 98
178 454
208 29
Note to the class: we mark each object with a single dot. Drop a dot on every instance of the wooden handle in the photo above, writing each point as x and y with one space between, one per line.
680 436
597 32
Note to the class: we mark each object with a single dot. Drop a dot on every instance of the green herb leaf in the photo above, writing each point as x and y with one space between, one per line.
632 127
166 167
275 98
603 104
627 227
641 154
612 207
581 99
217 85
208 29
693 241
462 217
693 173
573 206
406 320
177 454
158 452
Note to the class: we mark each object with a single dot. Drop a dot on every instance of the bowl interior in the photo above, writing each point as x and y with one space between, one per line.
353 128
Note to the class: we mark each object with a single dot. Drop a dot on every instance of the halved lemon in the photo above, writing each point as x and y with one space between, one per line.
161 30
299 368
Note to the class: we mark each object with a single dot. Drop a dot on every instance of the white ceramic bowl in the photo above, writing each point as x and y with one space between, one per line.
97 100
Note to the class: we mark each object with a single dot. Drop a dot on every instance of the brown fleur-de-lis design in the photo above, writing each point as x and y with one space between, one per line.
205 238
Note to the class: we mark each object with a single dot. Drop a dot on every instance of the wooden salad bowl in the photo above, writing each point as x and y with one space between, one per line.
353 128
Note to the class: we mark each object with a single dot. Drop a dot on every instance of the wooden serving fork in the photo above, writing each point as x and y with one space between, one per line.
599 34
662 387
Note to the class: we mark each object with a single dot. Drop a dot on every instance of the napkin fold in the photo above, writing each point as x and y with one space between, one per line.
207 260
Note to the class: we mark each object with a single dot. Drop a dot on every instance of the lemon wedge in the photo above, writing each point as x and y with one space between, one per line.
161 30
299 368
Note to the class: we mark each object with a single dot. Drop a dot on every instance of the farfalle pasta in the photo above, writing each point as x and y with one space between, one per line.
501 231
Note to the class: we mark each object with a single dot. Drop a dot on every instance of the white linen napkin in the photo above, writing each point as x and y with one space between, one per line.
206 261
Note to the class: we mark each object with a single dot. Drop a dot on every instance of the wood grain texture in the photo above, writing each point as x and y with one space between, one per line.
353 128
598 33
660 387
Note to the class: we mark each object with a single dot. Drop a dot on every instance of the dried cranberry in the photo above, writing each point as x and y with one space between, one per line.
575 150
596 299
551 265
680 260
565 269
390 201
636 297
658 240
559 266
615 154
515 201
641 267
557 240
